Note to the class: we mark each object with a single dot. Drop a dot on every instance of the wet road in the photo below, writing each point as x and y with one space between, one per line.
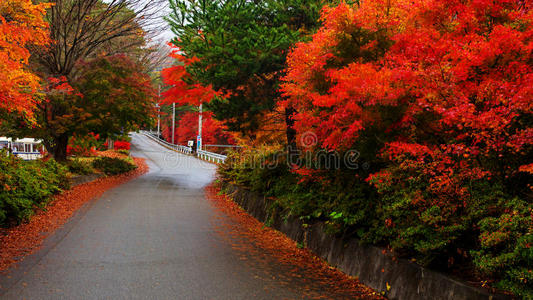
155 237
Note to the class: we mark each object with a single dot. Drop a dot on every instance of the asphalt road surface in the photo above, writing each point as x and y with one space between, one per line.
155 237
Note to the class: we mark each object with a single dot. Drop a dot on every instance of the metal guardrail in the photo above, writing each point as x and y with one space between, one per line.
211 157
205 155
179 148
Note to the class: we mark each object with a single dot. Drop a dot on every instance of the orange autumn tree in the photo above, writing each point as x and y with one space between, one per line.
21 25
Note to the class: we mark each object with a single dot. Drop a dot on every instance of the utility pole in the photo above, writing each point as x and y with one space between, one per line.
199 139
158 120
159 114
173 121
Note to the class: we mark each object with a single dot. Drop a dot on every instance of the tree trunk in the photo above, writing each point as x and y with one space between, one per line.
293 156
110 144
60 148
290 132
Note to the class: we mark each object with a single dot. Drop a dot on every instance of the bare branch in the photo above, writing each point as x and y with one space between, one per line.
83 29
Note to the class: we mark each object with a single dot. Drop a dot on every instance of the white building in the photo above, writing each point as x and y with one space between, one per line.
26 148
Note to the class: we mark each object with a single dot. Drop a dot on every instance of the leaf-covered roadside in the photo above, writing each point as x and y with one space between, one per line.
22 240
301 267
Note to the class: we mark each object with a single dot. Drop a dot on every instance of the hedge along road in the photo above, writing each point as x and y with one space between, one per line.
155 237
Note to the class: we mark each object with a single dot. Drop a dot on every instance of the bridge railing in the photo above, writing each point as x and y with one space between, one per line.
180 148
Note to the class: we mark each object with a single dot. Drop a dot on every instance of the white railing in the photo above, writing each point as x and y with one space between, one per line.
211 157
205 155
179 148
24 148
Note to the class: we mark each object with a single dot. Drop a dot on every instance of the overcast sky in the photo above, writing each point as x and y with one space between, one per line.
164 10
167 34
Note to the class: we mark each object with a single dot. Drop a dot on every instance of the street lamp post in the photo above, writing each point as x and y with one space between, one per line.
158 119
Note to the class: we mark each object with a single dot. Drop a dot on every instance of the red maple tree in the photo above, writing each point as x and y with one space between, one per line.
449 81
437 96
213 131
185 91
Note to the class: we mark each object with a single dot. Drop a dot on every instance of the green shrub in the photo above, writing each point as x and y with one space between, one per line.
266 171
113 166
25 185
506 250
80 167
123 151
489 230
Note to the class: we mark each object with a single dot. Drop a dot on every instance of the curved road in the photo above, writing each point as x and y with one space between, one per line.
156 237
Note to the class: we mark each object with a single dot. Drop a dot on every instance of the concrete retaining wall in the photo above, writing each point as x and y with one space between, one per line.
373 266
